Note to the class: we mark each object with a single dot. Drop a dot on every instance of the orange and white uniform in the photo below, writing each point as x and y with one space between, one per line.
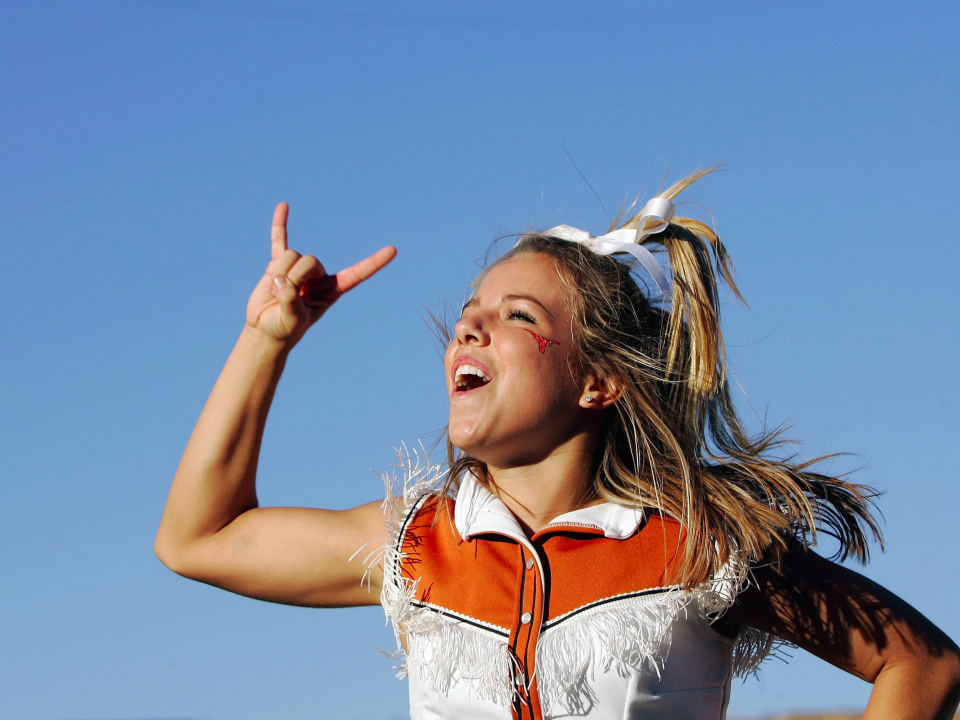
581 620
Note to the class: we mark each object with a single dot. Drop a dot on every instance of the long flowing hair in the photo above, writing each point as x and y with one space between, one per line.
673 441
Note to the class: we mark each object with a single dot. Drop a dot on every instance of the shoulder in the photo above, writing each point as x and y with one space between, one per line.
422 512
416 526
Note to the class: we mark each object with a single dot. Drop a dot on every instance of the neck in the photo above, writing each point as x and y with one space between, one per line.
539 492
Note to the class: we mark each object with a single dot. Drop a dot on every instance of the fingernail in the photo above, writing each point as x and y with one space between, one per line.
280 282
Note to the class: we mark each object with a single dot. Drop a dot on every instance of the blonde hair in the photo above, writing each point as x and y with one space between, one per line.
673 441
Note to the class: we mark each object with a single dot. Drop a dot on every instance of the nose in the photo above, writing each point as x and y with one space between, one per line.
471 330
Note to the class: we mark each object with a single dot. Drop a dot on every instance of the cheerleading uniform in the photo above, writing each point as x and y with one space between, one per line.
583 619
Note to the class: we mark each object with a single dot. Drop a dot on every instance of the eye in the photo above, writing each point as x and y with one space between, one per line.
520 315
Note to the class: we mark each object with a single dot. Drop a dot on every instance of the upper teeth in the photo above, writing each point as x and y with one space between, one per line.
470 370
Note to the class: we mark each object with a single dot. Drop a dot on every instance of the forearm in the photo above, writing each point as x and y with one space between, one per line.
216 479
919 690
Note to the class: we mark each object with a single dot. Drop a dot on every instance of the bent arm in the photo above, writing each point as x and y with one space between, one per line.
212 529
861 627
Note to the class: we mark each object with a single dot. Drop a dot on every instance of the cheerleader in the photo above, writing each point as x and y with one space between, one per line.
605 540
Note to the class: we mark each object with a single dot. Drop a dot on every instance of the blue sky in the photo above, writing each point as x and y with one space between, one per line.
146 143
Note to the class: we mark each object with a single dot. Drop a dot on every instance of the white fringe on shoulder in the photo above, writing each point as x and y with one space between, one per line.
419 480
441 650
620 635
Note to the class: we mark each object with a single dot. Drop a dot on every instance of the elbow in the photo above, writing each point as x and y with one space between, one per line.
170 554
946 664
185 558
165 553
951 672
938 670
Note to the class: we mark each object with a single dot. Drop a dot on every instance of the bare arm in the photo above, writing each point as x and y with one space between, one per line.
212 529
859 626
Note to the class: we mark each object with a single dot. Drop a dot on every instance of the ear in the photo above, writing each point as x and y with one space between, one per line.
598 393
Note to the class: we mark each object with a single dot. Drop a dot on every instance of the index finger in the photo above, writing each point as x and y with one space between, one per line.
350 277
278 233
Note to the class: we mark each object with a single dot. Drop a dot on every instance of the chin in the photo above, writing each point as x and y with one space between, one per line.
462 443
467 442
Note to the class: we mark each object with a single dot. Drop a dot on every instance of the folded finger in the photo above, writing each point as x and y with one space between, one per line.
278 233
319 291
283 263
350 277
305 267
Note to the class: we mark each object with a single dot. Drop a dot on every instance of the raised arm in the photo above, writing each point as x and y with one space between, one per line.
859 626
212 529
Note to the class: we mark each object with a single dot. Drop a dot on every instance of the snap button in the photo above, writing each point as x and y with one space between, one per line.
526 618
529 563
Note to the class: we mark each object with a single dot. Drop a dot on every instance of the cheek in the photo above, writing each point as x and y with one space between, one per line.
542 342
447 365
550 359
547 383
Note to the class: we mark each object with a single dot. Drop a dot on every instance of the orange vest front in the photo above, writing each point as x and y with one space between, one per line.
499 625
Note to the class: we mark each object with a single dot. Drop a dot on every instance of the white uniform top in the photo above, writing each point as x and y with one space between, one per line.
645 654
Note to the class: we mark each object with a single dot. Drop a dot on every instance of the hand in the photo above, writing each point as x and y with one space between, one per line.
295 290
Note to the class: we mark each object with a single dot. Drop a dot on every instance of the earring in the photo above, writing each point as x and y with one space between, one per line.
589 398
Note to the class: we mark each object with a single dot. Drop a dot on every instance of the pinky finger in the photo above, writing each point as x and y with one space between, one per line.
350 277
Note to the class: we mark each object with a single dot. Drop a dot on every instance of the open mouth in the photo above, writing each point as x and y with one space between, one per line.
469 377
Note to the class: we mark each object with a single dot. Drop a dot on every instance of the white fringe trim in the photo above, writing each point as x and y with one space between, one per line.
444 653
753 647
622 635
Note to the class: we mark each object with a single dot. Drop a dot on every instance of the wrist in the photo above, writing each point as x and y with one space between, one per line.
262 345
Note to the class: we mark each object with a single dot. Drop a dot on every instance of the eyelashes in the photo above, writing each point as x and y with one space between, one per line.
516 315
520 315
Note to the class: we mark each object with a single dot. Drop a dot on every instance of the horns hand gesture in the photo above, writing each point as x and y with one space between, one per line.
296 290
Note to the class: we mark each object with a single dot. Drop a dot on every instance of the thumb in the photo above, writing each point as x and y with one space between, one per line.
286 294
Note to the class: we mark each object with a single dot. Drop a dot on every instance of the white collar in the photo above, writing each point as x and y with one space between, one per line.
477 510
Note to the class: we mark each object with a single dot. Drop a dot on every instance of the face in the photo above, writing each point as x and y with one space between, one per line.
514 395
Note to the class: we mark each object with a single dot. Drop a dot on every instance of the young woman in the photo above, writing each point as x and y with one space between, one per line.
607 541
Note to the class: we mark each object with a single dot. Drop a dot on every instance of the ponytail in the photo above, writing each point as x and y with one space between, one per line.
674 442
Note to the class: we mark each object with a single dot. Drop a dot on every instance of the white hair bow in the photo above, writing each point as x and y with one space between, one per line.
626 240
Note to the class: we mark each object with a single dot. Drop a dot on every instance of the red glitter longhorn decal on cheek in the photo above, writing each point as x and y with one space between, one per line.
542 341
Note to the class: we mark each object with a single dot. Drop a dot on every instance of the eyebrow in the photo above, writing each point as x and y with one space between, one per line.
529 298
